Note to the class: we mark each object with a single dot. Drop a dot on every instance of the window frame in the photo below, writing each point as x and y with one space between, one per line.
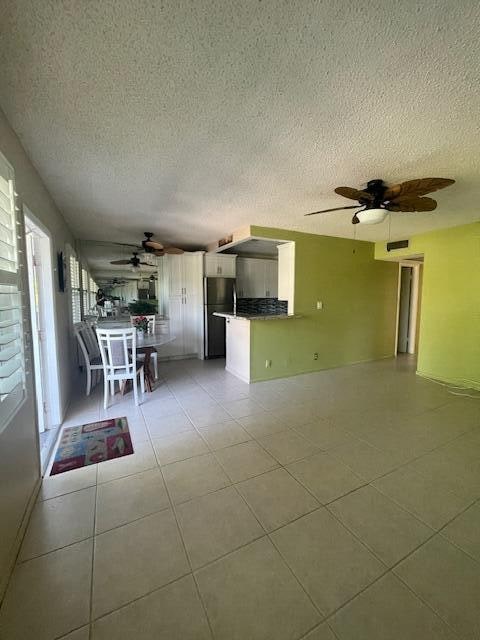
12 400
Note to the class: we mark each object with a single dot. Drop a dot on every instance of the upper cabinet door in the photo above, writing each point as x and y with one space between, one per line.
271 278
241 281
256 278
175 275
219 266
192 274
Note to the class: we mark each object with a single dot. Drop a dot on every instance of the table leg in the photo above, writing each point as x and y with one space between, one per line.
147 369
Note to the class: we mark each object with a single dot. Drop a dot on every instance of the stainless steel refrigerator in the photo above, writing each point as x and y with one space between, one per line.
218 296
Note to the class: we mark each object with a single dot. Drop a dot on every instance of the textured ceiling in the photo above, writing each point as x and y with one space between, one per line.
193 118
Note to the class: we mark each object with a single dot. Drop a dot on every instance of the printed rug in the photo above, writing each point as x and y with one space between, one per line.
92 443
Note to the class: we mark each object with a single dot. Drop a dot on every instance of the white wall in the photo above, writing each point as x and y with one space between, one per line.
19 460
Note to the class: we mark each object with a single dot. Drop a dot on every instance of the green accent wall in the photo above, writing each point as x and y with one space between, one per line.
357 323
449 341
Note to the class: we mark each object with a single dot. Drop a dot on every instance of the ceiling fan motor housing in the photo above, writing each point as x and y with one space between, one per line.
377 188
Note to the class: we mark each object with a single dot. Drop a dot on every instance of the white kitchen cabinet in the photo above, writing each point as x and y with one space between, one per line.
220 265
238 348
271 278
286 274
257 278
182 279
245 278
175 270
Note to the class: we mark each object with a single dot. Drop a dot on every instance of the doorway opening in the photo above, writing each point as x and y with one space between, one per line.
409 285
45 364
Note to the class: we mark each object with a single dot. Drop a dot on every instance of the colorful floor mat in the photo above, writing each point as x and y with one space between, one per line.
92 443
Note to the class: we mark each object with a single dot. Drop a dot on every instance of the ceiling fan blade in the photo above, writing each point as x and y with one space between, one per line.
147 264
173 250
411 203
314 213
120 262
122 244
157 246
354 194
417 187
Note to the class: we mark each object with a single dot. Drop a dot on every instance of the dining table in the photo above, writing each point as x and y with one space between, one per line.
147 343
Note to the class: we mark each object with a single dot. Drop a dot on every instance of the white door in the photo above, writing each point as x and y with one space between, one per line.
190 325
175 275
42 316
192 274
175 316
38 330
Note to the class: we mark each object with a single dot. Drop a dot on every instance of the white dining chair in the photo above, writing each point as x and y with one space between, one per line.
118 348
90 351
150 331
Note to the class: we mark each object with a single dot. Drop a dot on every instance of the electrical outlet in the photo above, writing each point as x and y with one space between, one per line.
319 305
315 356
268 364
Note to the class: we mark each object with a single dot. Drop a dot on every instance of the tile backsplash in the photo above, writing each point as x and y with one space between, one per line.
267 306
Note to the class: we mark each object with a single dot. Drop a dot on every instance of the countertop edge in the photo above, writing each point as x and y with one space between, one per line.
231 316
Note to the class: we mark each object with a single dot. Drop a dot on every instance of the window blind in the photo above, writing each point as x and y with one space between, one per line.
93 293
12 360
86 306
75 289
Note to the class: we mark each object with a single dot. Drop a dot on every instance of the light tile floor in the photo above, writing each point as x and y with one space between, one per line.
341 504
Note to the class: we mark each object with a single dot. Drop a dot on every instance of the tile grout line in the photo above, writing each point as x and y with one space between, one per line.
90 628
179 531
436 532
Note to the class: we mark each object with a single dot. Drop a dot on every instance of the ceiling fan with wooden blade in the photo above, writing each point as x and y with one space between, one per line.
377 198
157 248
134 261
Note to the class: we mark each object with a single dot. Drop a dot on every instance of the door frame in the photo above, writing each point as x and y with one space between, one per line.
51 380
414 304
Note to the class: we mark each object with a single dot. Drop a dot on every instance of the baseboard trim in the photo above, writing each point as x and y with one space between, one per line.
237 375
461 382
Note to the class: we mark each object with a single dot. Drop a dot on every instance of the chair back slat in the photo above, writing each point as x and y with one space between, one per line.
90 338
79 330
118 349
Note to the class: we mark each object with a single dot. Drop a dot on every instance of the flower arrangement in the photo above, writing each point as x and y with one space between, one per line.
141 323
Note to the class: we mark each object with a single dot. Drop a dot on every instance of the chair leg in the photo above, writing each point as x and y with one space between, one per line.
155 364
112 388
105 392
142 380
135 390
89 380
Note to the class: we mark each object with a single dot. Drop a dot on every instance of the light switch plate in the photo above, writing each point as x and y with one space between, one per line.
319 305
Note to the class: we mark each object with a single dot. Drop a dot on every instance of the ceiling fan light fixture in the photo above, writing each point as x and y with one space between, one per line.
371 216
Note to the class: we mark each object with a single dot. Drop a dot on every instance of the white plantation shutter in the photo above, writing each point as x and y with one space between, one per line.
93 292
85 305
75 288
12 360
